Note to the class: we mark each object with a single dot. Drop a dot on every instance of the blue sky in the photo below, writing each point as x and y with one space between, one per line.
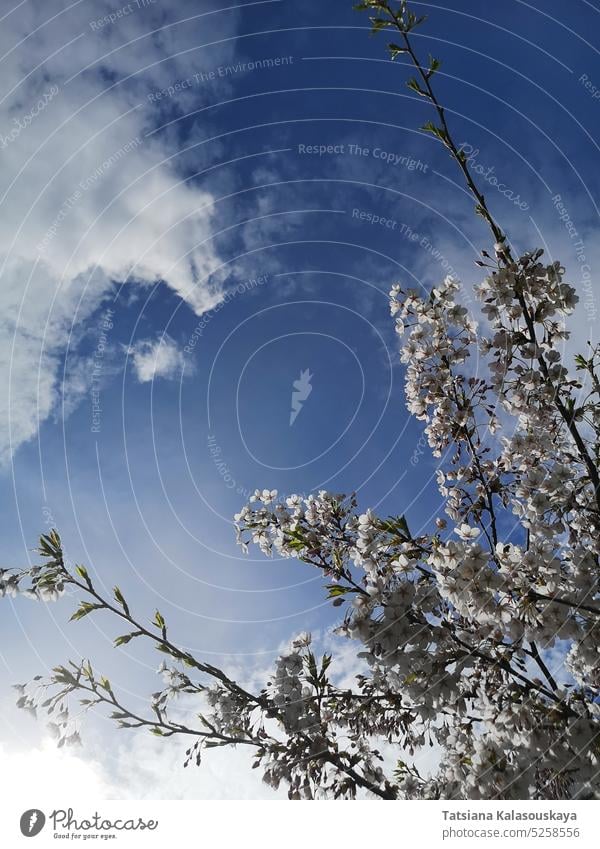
181 153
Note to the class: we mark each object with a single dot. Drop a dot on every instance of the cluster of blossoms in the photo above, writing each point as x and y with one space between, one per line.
482 636
479 638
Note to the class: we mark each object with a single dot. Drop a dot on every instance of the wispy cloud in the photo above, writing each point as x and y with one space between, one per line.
154 358
87 198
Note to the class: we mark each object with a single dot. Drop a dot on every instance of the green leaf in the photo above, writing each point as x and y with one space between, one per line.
50 545
403 525
414 85
396 50
336 590
54 539
337 559
83 573
63 676
377 24
311 665
84 608
434 65
396 525
413 21
125 638
438 132
119 715
401 768
121 600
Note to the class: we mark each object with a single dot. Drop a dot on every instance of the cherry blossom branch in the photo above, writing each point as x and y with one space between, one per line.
167 728
538 659
404 22
567 417
504 664
576 605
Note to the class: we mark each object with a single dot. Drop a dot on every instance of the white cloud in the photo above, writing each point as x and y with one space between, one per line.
31 774
142 768
157 358
86 198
